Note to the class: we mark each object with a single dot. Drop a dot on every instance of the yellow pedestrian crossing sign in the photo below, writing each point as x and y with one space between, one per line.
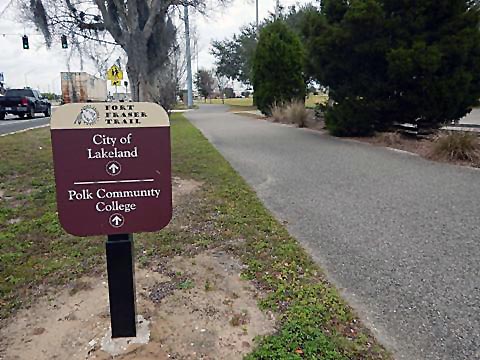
116 83
115 73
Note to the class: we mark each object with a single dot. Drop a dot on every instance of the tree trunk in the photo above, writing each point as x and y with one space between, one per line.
144 85
139 67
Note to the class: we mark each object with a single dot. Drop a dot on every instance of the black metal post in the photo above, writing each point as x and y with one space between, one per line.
121 285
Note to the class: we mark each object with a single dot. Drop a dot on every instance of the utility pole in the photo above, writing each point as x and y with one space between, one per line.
277 9
256 8
189 60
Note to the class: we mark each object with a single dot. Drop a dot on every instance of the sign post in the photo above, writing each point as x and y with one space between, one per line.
113 177
121 285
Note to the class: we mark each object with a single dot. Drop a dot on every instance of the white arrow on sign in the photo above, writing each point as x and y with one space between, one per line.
113 168
116 220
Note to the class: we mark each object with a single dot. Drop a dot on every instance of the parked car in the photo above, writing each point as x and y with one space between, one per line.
24 103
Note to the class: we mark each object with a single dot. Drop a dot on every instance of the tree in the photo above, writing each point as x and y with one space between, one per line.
229 93
222 82
435 66
204 82
143 28
278 67
388 61
234 56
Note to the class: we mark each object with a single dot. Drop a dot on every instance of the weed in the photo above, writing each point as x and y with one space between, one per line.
390 138
208 285
278 112
186 285
456 146
239 319
296 113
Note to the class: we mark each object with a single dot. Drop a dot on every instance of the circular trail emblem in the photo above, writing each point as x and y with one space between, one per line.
88 116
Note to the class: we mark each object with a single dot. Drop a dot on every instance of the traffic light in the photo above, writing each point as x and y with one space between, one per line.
64 42
25 42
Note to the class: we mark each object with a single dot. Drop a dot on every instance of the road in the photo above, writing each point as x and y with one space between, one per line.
398 235
12 124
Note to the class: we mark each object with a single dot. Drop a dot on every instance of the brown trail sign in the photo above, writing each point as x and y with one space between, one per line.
112 168
113 177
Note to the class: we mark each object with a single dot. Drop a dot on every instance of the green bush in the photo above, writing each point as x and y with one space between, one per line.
278 67
414 62
349 118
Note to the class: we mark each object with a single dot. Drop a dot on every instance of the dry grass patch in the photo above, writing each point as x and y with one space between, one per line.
291 113
391 139
278 112
456 146
296 113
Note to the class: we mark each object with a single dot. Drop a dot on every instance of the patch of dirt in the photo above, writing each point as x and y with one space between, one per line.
14 221
14 200
210 313
182 187
422 147
400 142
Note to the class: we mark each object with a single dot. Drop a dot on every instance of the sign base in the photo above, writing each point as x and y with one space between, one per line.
120 346
121 285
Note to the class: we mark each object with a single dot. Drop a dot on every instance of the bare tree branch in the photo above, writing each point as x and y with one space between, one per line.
112 26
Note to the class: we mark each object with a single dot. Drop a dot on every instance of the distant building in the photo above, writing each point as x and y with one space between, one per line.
82 87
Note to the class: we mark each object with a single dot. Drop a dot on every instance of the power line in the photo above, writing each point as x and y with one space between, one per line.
18 34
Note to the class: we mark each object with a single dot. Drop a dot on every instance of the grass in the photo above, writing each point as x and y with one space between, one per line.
182 106
296 113
314 322
310 101
33 246
234 102
278 112
313 100
456 146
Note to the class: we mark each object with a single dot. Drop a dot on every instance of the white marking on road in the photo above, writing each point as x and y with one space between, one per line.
112 181
401 151
25 130
8 122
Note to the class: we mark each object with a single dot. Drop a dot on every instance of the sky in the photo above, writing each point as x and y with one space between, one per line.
40 67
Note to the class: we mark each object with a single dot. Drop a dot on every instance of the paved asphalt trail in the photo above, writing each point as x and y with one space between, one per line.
397 234
13 123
